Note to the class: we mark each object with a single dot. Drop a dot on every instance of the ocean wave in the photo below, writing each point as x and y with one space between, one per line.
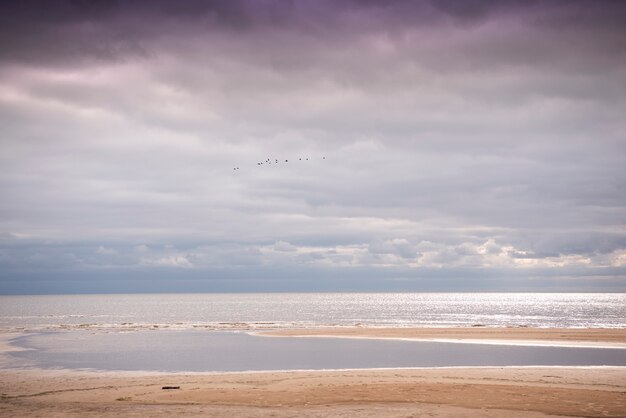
210 326
264 326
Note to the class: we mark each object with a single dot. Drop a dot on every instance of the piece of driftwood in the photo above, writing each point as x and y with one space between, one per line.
170 387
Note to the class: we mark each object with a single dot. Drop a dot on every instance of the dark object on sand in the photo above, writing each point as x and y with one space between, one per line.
170 387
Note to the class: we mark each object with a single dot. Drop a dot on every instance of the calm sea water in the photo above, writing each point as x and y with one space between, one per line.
273 310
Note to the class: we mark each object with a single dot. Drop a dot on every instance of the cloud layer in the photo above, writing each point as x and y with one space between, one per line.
451 145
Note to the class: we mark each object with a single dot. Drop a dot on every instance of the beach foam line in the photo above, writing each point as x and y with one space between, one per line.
190 326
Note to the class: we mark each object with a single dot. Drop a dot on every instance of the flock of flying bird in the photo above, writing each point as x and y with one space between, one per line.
276 161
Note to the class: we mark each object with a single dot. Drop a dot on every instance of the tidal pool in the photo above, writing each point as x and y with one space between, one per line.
213 351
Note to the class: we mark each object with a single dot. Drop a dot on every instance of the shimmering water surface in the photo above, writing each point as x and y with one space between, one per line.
201 351
270 310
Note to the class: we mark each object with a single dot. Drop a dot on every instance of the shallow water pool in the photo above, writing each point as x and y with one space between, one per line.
205 351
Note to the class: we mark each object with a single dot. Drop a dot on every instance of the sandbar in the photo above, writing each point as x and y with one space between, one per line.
565 337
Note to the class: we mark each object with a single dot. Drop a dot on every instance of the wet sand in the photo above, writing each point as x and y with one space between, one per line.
437 392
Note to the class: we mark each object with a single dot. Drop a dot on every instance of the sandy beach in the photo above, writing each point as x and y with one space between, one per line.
442 392
489 392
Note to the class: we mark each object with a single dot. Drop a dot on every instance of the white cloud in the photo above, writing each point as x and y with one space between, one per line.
284 246
106 251
171 261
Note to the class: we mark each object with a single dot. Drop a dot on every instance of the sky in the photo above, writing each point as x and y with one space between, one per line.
452 146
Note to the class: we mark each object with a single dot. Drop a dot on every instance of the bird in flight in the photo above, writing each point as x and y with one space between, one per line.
276 161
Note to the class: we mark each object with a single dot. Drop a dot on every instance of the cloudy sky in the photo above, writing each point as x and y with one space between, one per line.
451 145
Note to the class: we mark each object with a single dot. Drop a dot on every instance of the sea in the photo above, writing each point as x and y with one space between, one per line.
219 332
251 311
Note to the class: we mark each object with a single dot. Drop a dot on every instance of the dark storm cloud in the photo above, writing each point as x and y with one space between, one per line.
462 139
64 31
